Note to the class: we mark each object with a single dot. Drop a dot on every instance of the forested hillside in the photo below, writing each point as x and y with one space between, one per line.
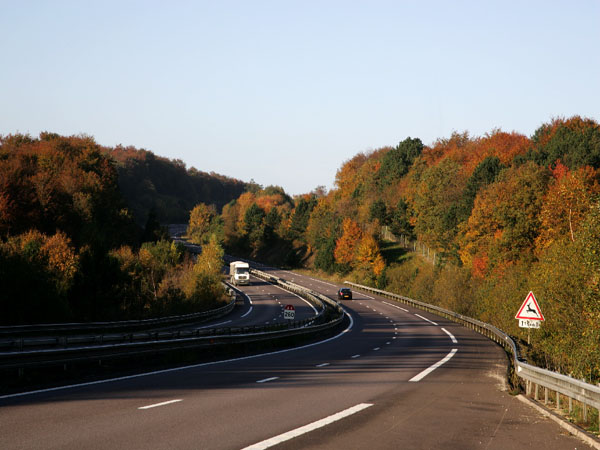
153 183
505 214
70 249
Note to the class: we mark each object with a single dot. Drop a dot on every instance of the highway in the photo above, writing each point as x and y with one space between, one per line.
392 378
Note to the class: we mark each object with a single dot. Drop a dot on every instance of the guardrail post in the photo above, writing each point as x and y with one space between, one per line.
558 400
585 412
537 392
545 396
570 405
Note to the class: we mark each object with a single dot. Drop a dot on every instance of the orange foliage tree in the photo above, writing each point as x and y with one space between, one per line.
505 222
345 247
368 256
568 200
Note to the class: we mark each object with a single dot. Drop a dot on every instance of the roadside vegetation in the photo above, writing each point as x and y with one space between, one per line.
70 249
504 214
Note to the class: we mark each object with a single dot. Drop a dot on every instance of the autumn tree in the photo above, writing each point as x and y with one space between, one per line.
368 261
204 223
505 220
436 204
36 273
570 196
203 284
345 247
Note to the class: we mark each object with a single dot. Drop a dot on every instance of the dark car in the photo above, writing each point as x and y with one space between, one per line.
344 293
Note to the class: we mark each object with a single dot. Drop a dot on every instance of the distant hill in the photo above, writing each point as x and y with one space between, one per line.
148 181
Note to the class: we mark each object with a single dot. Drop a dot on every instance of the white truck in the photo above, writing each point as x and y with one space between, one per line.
239 272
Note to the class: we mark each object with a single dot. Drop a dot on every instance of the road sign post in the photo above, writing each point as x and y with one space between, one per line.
289 312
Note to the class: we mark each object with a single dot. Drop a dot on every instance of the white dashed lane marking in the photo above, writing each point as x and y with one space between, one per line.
161 404
426 319
397 307
266 380
308 428
451 336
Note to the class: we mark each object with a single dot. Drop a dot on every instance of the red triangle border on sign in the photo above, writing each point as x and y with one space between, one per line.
530 296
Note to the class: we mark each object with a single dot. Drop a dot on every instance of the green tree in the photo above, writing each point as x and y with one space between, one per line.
396 162
400 220
254 227
378 210
574 141
485 173
301 215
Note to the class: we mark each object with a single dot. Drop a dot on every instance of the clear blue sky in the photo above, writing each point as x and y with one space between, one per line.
285 91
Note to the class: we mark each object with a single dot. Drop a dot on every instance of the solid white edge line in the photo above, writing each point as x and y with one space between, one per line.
214 325
396 306
365 295
427 371
454 341
161 404
249 311
243 293
308 428
322 365
176 369
266 380
426 319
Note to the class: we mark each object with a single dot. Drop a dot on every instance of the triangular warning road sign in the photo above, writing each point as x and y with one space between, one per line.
530 309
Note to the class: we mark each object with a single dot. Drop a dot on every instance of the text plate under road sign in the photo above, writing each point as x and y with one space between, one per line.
526 323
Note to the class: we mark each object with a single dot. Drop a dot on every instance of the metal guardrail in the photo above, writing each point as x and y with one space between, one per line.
572 388
62 329
112 346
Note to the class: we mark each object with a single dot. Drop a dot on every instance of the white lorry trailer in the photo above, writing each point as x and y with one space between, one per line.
239 272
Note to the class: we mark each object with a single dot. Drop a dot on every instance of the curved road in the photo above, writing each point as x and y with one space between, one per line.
378 384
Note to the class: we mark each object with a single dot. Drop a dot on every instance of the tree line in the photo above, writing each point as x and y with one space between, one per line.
505 213
70 248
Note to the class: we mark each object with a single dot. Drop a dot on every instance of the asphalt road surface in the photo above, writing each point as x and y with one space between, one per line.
395 378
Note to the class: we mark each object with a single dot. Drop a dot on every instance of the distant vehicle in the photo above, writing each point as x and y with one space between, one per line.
344 293
239 272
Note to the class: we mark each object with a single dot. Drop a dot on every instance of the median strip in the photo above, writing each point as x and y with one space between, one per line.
308 428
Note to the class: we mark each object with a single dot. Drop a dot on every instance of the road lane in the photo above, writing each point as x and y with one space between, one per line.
459 405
